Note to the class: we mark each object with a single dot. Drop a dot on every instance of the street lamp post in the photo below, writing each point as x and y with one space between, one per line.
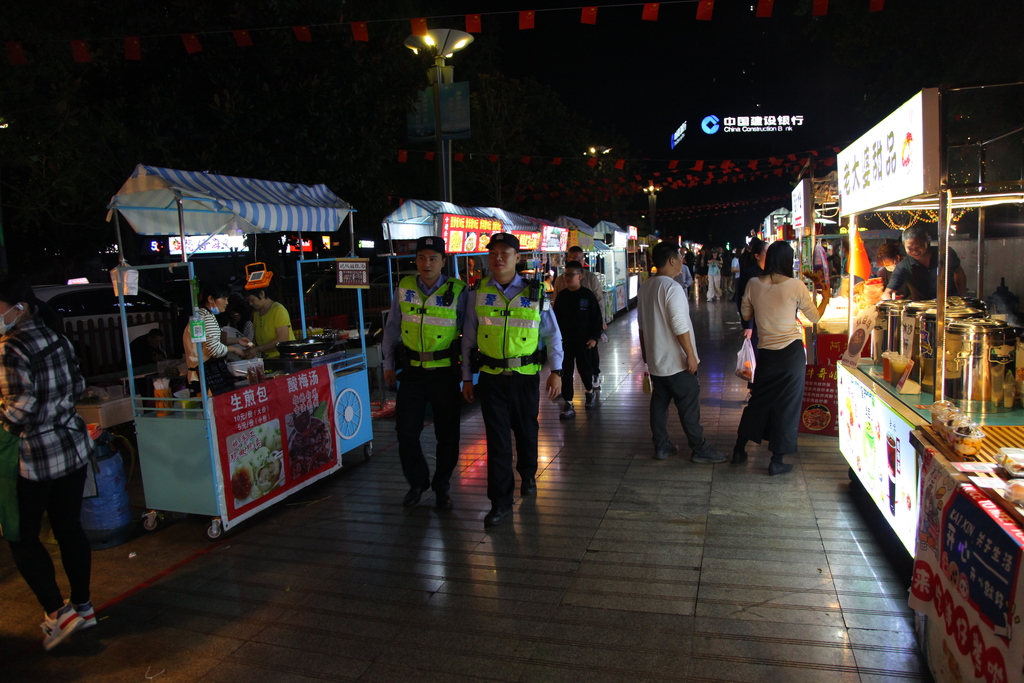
652 204
441 44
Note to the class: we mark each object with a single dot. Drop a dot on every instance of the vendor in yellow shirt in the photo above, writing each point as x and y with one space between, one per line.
272 322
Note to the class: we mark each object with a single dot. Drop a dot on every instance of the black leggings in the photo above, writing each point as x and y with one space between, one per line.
61 499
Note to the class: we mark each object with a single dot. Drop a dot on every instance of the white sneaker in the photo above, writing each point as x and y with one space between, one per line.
596 383
568 413
56 630
88 614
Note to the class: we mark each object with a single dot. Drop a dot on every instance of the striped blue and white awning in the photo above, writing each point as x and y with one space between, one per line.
574 223
217 203
607 227
415 218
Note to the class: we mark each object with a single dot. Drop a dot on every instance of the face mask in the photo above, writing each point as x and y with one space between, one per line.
214 310
890 268
5 326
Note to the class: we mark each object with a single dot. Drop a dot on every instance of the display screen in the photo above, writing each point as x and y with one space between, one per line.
875 440
214 245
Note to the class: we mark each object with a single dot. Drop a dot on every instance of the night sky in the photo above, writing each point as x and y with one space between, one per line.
842 72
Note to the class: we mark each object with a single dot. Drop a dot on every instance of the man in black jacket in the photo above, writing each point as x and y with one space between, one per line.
580 321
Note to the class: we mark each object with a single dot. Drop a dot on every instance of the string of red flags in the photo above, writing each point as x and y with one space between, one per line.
82 48
677 174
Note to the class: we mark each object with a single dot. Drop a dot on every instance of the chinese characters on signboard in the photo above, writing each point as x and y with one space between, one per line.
353 273
467 234
897 159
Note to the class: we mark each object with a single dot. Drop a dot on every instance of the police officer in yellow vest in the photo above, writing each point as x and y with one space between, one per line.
422 330
505 325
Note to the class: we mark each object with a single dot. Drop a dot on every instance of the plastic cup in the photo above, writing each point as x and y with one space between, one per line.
897 366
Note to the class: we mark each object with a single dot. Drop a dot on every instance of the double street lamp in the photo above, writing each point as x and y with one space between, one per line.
652 203
441 44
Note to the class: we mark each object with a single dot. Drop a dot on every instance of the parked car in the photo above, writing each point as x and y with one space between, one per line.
91 314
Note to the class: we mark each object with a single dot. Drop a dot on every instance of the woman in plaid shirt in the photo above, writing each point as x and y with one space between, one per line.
39 383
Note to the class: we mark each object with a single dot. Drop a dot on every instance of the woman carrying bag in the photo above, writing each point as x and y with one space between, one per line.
39 384
773 412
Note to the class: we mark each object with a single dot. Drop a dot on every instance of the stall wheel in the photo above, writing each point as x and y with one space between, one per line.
150 520
368 450
215 530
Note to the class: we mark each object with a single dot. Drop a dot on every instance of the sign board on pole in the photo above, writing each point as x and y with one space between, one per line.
803 208
895 160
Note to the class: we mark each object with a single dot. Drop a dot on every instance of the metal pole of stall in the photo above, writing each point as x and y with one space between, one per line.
181 225
981 254
942 279
352 234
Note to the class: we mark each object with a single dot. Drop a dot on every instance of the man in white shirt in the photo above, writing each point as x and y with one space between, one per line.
666 342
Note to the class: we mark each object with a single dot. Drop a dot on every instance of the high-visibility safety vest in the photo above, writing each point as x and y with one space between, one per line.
429 326
506 329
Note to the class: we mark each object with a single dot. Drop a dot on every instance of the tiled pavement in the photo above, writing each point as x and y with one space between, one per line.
621 568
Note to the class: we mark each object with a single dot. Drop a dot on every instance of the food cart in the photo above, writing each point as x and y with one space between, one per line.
937 475
231 456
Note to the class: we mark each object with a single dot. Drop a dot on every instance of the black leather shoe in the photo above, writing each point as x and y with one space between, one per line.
528 487
739 456
775 468
442 501
497 515
414 495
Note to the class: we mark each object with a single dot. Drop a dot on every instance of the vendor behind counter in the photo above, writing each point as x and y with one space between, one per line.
272 323
920 270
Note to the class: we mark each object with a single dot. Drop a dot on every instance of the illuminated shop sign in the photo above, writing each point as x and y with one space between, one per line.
803 206
678 136
553 239
467 234
897 159
779 123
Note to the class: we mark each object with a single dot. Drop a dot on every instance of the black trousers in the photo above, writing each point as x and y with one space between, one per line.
773 412
595 360
579 356
509 404
61 500
440 388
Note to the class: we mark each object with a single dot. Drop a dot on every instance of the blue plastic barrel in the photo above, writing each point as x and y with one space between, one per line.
107 517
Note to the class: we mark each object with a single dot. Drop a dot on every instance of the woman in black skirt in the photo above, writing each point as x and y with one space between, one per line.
773 412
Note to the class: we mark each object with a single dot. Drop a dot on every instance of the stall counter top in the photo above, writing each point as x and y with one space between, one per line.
918 403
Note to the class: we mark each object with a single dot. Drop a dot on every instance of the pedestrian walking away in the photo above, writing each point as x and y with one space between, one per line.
714 276
591 281
421 353
39 384
773 412
507 331
579 322
667 346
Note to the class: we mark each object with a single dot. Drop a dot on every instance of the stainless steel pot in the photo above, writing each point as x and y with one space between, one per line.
927 321
910 334
980 356
887 335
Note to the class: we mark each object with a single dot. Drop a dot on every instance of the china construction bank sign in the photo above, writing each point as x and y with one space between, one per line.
712 124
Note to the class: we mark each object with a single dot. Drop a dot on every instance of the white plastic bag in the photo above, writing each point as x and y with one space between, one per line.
745 361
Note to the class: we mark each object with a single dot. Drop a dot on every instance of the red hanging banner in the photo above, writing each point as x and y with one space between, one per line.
672 164
620 163
360 32
133 48
524 160
242 38
493 158
525 19
302 34
764 8
591 162
192 44
650 11
419 26
403 156
820 8
473 23
557 161
80 51
698 165
429 156
16 54
459 156
588 15
704 10
876 5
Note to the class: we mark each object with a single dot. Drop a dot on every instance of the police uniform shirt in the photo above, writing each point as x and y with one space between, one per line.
550 336
393 327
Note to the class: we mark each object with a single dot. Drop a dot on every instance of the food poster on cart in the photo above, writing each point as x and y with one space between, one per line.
352 424
819 409
967 570
875 440
273 438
